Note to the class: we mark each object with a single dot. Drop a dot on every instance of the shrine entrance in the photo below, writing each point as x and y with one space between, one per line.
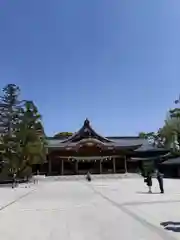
81 165
84 166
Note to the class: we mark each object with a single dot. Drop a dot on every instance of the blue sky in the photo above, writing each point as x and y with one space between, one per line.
116 62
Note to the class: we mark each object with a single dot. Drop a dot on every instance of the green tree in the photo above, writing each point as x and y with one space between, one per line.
30 136
26 146
146 135
169 135
10 107
143 135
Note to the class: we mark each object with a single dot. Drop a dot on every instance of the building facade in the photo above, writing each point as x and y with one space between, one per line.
86 150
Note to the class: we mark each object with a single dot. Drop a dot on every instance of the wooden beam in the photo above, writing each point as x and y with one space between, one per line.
62 167
114 165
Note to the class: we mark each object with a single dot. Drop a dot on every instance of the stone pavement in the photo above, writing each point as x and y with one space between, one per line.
104 209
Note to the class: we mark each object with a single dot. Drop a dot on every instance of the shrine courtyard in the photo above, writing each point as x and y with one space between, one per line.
104 209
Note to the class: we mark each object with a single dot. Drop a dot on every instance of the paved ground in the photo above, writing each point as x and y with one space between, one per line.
107 209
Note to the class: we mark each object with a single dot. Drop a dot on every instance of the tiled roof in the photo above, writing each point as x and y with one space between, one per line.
87 133
123 137
136 159
120 143
146 146
141 145
172 161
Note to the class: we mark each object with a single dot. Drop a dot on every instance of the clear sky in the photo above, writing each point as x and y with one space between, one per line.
116 62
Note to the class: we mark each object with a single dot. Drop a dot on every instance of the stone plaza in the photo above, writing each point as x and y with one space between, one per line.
108 208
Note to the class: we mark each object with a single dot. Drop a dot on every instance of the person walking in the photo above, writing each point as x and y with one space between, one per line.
14 183
160 181
88 176
36 177
148 181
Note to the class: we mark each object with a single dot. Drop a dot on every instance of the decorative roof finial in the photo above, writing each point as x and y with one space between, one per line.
86 122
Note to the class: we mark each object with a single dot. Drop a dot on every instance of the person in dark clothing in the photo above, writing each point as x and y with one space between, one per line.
160 181
88 176
14 183
148 181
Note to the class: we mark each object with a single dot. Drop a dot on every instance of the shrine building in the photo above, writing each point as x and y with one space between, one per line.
86 150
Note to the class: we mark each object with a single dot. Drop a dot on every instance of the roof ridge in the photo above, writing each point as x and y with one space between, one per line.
86 128
125 137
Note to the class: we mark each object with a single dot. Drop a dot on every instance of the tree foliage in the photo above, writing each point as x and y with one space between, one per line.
22 135
10 106
63 134
168 135
143 135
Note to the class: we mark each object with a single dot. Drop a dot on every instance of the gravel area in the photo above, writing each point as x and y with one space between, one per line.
104 209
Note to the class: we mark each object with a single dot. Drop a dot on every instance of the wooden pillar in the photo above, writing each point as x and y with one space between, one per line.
125 164
114 165
178 170
100 166
62 167
76 166
49 166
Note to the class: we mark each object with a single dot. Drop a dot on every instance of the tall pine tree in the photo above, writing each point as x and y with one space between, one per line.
10 109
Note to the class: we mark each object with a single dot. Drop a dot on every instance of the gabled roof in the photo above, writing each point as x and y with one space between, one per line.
137 159
149 147
86 131
56 143
87 136
172 161
156 157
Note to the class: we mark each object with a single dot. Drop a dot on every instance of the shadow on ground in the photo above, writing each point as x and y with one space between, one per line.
171 226
7 185
147 192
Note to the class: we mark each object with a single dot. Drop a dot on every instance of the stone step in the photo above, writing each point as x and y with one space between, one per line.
94 177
